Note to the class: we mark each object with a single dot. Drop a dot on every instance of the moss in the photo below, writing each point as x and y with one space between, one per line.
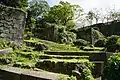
4 44
52 46
64 66
93 48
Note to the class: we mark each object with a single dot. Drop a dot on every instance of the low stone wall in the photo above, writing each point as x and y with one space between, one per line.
12 73
88 34
12 23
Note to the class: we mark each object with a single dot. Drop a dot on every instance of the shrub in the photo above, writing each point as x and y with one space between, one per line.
101 42
81 42
65 36
112 69
113 43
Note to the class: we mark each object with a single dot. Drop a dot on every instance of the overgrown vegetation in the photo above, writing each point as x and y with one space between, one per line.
53 29
112 68
4 44
52 46
113 43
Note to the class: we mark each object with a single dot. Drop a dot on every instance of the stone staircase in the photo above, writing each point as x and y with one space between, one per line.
65 62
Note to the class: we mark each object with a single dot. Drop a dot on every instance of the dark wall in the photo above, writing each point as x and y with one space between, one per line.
88 34
48 33
109 28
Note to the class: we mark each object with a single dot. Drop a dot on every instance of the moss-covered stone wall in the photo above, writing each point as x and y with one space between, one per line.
109 28
12 23
88 34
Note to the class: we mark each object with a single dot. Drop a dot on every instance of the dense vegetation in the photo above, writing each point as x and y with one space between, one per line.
112 69
53 29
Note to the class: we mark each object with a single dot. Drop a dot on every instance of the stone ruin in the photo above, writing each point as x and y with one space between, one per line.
12 23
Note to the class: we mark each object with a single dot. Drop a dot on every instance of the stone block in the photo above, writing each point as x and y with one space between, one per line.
12 23
4 52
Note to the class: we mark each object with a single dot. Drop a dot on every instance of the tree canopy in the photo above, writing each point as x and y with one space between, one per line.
37 7
61 13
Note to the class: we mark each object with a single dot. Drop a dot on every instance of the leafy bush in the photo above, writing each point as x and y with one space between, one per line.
65 36
81 42
112 69
101 42
113 43
87 74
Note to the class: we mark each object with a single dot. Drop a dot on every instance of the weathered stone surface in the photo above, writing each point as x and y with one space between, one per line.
12 23
5 51
12 73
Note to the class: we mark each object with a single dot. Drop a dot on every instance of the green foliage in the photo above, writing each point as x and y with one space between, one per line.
72 78
30 25
3 44
65 36
93 48
90 17
5 60
87 74
64 66
37 7
112 69
17 3
52 46
113 43
28 35
35 15
101 42
70 25
81 42
60 14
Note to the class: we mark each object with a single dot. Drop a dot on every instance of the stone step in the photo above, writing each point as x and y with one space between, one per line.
81 53
62 57
93 48
64 66
93 55
13 73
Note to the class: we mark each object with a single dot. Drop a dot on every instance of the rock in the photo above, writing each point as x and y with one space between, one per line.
40 47
77 74
6 51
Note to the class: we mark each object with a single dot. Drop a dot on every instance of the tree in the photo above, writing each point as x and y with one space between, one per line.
90 17
112 14
35 12
96 14
37 7
61 13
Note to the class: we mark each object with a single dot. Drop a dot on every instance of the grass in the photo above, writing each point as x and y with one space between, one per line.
69 60
52 46
93 48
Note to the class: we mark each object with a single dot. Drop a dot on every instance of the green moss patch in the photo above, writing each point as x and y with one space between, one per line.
64 66
52 46
62 57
